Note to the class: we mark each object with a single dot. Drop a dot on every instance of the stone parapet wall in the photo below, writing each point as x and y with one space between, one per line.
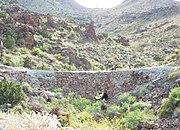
87 84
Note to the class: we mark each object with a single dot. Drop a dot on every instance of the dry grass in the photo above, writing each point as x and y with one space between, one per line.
30 121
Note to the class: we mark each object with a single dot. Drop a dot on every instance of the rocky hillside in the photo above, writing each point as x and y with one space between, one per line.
61 8
42 41
137 6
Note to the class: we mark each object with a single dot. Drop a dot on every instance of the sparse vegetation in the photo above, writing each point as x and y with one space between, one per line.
127 39
170 104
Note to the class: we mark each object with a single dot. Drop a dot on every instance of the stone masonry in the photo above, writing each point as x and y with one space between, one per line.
87 84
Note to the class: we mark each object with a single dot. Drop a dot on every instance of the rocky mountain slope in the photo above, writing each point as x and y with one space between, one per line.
64 36
59 44
61 8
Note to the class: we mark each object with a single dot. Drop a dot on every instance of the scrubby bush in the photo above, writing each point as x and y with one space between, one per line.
9 42
16 62
158 58
166 109
3 14
27 62
139 65
125 98
58 56
174 96
133 119
170 104
37 51
10 93
141 90
30 121
47 35
24 50
174 75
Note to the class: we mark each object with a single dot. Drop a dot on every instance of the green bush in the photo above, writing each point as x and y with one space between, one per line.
27 62
170 104
47 35
174 96
37 51
9 42
16 62
125 98
174 75
141 90
139 65
165 109
10 93
140 106
133 119
3 14
58 56
81 103
24 50
158 58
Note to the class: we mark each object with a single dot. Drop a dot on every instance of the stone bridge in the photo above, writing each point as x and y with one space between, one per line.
87 84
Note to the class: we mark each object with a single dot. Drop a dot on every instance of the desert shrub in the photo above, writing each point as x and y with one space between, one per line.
44 67
113 111
139 65
141 90
10 93
45 47
58 56
165 109
133 119
174 75
55 89
170 57
47 35
125 98
24 50
169 105
158 58
3 14
7 62
27 62
16 62
30 121
140 106
85 116
81 103
174 96
37 51
9 42
27 88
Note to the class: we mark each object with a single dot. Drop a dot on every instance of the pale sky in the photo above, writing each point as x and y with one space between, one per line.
99 3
